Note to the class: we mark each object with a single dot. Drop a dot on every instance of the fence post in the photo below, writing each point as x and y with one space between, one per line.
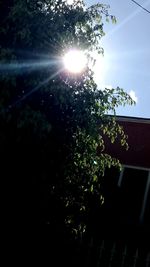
124 256
148 260
89 251
135 258
100 253
112 254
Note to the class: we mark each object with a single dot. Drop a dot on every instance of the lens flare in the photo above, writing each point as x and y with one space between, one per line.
75 61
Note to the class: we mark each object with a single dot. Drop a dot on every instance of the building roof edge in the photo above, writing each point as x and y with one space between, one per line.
133 119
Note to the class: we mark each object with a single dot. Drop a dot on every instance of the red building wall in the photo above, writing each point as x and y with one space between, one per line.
138 131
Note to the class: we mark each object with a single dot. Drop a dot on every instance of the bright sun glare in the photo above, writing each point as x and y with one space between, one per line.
75 61
70 2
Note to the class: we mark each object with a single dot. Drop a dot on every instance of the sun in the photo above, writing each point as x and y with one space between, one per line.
75 61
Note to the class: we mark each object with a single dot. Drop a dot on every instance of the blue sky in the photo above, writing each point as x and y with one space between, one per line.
127 53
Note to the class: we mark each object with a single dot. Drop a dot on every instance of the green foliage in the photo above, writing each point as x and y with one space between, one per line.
54 121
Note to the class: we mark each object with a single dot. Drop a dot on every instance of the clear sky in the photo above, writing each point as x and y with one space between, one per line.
127 53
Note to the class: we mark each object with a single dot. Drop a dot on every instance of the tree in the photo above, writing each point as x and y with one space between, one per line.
52 123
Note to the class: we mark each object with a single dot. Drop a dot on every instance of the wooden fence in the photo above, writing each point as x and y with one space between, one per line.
116 254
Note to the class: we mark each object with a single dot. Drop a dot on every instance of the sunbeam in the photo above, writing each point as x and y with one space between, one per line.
27 65
33 90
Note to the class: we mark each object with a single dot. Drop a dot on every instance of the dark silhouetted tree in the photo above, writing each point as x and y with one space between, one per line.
52 123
